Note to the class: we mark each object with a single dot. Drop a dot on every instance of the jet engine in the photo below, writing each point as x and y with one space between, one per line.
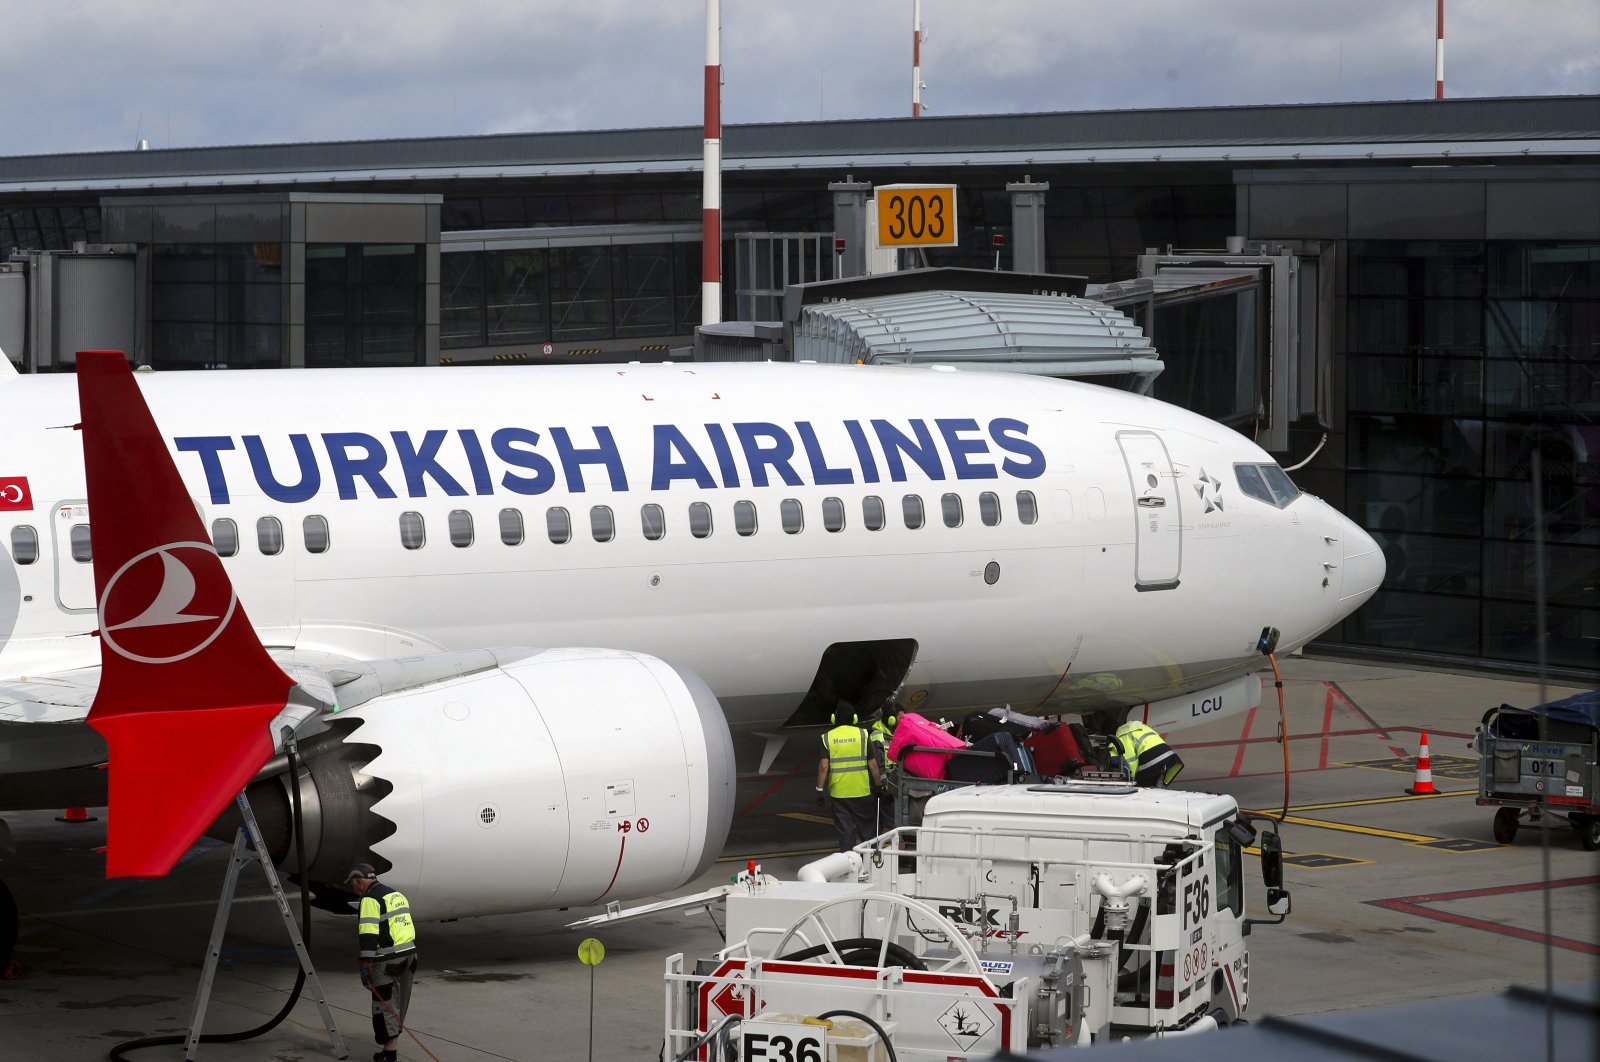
493 781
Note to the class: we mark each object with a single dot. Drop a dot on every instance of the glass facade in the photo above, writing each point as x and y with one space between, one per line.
595 292
364 304
1467 358
216 305
48 227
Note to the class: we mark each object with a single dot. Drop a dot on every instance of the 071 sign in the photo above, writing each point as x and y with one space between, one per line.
776 1041
916 215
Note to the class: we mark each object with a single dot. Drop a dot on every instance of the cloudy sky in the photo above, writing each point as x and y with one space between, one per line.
85 75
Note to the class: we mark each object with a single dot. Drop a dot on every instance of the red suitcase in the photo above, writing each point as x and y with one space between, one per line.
1055 751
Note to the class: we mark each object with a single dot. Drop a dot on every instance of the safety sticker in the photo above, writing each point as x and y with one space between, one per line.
966 1023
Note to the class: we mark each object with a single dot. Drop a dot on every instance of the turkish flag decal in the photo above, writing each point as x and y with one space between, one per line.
14 494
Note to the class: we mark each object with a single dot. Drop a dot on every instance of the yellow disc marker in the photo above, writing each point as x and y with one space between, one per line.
591 952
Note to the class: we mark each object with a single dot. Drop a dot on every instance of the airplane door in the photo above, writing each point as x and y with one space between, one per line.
74 568
1158 523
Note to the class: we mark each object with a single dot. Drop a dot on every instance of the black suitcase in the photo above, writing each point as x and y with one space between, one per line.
978 725
1002 760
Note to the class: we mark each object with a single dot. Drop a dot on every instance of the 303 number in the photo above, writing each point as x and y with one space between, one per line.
920 218
916 216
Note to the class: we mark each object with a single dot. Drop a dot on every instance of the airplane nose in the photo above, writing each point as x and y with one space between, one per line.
1364 567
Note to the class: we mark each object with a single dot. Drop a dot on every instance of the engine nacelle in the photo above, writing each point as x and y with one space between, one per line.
566 778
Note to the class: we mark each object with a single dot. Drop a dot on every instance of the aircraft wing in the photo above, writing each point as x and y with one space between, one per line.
42 724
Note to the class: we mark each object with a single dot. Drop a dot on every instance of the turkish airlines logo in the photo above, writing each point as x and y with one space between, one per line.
14 494
154 610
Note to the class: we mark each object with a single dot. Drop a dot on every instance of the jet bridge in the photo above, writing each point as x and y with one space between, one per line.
1246 334
1047 334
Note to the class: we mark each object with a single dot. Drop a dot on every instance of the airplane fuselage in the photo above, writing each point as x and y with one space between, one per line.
1053 545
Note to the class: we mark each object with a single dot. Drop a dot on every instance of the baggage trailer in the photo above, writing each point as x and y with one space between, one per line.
1541 763
1024 916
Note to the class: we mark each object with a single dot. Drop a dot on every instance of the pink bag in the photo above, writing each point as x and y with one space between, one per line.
913 729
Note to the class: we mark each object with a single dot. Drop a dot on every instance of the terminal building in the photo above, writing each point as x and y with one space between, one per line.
1410 291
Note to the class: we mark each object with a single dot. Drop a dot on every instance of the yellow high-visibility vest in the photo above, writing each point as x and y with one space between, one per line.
383 924
846 747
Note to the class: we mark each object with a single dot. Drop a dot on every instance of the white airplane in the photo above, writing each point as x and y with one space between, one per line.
785 535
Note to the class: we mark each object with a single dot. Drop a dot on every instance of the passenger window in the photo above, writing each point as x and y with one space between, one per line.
873 516
269 536
700 520
225 536
950 506
1027 507
989 508
793 516
911 509
654 520
78 539
511 526
832 514
1280 484
413 535
601 523
558 522
1251 485
744 518
460 523
315 531
24 544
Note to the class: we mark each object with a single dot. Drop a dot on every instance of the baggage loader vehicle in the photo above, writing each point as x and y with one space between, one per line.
1023 916
1541 763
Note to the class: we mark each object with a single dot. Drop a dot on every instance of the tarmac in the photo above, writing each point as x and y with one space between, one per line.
1397 899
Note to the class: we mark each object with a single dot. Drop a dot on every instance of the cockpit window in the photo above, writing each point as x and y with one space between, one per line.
1281 484
1266 483
1252 485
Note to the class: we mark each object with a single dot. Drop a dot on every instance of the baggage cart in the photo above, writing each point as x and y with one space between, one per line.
911 792
1541 763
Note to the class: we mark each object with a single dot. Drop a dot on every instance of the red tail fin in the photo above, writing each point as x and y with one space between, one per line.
186 690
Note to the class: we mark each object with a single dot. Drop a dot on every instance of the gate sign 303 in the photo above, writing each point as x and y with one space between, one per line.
916 215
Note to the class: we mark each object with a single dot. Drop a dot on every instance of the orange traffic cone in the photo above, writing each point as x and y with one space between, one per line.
1423 786
76 815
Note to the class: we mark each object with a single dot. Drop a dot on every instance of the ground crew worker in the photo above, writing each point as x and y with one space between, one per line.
881 735
1149 760
847 774
387 940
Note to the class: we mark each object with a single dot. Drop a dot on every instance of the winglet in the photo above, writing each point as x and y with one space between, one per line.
186 689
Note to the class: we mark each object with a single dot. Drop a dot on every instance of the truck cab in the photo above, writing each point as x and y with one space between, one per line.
1063 862
1014 917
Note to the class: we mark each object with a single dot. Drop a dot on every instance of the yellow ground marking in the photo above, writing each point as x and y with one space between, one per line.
1371 831
806 816
759 856
1377 800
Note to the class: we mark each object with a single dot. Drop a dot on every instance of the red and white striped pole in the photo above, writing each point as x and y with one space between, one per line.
1438 57
916 58
711 197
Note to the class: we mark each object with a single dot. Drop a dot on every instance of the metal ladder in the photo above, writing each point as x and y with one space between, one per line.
247 848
